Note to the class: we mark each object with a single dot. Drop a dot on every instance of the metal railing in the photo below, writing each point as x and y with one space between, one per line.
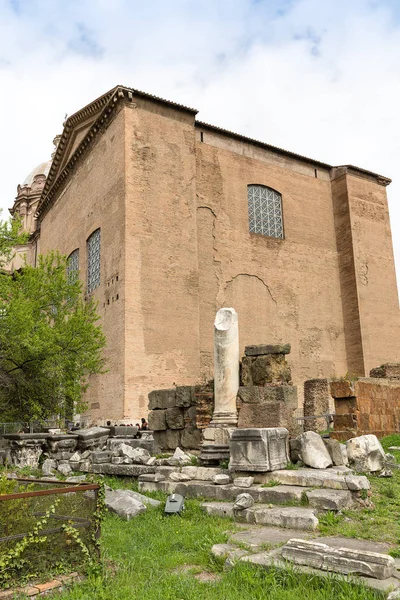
58 511
32 427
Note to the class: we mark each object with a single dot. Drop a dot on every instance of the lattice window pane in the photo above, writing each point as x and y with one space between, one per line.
93 261
265 211
73 265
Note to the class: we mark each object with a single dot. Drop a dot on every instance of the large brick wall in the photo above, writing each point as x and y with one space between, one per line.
366 405
170 197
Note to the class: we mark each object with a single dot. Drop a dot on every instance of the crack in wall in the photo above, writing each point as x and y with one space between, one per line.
256 277
216 261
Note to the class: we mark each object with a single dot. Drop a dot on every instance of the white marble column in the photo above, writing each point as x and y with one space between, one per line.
226 367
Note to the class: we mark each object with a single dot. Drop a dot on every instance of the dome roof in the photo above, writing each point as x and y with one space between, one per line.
42 169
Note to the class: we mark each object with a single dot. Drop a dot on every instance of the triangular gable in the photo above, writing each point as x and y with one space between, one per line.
79 131
75 129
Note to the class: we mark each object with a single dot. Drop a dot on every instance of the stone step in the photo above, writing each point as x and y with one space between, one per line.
280 494
268 559
318 478
321 499
287 516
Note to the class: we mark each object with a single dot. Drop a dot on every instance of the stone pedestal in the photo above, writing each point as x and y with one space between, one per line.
259 449
226 367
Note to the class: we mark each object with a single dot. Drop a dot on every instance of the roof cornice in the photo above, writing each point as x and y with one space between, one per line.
351 169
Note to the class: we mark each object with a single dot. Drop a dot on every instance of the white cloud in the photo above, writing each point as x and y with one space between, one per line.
320 79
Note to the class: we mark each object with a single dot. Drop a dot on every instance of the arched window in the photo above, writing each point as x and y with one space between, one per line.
265 211
73 265
93 261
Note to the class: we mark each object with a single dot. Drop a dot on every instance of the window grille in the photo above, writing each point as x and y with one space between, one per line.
265 211
93 261
73 265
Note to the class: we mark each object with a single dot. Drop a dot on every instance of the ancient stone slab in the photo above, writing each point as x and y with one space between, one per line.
76 457
339 560
157 420
169 439
243 501
162 399
123 504
365 453
180 458
190 438
267 369
243 482
291 517
179 476
174 418
254 394
49 466
259 449
313 451
64 469
100 457
114 444
272 414
262 349
387 371
185 396
126 470
153 477
342 388
226 366
92 433
327 478
287 517
202 473
337 452
356 483
123 431
334 500
221 479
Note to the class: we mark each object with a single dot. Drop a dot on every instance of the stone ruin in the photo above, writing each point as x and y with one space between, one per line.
257 390
357 406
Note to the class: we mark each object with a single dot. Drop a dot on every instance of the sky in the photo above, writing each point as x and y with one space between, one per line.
316 77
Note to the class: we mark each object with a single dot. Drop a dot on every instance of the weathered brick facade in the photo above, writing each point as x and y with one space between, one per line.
365 406
169 194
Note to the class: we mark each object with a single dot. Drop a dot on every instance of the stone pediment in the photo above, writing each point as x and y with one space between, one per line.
76 130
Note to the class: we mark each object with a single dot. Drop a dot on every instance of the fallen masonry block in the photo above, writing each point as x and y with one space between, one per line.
313 451
330 499
338 560
366 453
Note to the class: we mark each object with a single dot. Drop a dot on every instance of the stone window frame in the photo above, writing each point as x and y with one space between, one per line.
93 252
266 218
73 265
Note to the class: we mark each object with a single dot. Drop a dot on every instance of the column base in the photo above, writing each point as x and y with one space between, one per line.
224 419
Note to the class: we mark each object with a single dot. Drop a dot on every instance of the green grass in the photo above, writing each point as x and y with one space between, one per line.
145 559
382 523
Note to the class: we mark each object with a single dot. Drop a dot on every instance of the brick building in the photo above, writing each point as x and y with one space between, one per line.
168 219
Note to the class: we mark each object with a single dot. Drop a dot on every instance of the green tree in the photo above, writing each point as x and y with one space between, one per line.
10 236
50 342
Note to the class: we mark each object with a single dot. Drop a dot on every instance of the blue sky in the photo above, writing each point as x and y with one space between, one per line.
321 78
